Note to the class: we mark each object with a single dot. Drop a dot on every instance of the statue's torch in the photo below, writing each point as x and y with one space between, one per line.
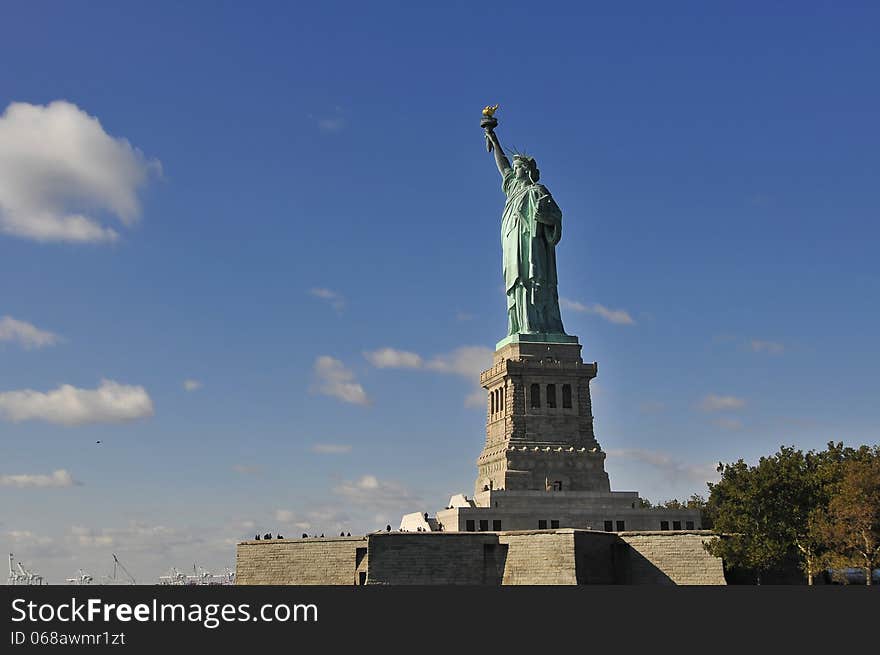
489 123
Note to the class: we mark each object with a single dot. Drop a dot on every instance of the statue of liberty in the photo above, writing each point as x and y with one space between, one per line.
531 226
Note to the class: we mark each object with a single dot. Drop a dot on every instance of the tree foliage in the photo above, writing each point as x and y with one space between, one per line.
851 524
795 506
694 502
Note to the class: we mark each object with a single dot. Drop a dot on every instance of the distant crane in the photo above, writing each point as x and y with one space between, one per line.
119 565
81 578
22 576
13 576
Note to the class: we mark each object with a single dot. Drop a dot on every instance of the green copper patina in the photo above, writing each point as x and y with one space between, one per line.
531 226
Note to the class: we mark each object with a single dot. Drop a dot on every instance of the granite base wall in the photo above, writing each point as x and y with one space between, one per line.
415 558
541 557
329 561
677 558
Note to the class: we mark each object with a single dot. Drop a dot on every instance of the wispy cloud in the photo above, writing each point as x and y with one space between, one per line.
285 516
466 362
616 316
59 478
334 299
55 160
192 385
324 518
331 449
671 467
332 378
111 402
715 403
25 334
378 494
391 358
770 347
136 536
753 345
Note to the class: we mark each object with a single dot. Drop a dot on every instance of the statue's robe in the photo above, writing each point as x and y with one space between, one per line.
531 226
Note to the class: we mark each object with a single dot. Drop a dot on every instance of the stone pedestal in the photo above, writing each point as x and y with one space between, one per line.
541 467
539 423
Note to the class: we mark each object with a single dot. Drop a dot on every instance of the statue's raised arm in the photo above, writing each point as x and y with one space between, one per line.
489 123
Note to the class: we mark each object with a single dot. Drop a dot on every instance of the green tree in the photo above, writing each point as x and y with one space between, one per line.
696 501
795 506
699 502
765 512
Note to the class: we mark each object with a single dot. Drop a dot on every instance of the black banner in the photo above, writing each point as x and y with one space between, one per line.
267 619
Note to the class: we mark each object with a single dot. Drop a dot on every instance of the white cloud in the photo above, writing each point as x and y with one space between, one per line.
617 316
67 405
466 361
328 519
371 492
331 449
26 335
771 347
136 536
336 300
391 358
59 478
192 385
715 403
333 379
56 163
368 483
671 467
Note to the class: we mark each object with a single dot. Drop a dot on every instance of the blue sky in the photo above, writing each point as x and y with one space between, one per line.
268 195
